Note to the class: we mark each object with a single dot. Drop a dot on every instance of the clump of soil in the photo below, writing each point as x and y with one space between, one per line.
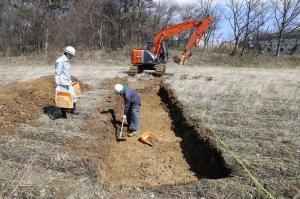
23 101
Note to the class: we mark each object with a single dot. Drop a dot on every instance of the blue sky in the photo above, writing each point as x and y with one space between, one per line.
224 26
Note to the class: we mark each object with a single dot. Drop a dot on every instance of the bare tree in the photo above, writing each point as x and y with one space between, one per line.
235 19
2 8
205 8
143 10
186 12
286 16
163 13
254 10
39 25
260 27
113 24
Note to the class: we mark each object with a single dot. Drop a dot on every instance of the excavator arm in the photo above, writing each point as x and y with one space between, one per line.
196 37
200 25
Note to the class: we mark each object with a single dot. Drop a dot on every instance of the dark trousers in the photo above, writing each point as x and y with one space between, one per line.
133 118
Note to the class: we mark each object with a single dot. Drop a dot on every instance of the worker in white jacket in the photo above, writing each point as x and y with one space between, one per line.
63 76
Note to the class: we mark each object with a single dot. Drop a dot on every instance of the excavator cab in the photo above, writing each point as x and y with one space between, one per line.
149 45
144 59
163 55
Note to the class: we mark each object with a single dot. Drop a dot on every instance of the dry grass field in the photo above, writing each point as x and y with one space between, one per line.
257 114
254 110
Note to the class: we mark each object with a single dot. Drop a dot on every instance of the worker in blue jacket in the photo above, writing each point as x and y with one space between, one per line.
132 107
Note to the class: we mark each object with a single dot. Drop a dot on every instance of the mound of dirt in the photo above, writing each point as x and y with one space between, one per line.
23 101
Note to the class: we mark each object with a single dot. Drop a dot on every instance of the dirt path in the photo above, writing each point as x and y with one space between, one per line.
132 163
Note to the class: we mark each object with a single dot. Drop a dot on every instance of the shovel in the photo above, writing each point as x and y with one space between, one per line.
120 134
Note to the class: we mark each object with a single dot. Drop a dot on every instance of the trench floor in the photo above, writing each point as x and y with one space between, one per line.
132 163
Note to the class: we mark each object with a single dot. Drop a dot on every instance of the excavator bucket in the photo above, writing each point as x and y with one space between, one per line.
149 134
77 89
63 100
176 59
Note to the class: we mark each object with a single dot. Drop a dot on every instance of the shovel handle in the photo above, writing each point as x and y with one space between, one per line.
121 132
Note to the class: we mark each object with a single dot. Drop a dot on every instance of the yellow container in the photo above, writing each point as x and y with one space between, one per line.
63 100
77 89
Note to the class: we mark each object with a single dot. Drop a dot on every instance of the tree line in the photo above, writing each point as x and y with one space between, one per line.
28 26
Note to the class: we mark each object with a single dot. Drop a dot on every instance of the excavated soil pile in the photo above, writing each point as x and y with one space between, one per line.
22 101
185 153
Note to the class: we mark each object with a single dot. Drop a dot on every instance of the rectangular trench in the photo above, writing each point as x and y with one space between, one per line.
185 154
199 148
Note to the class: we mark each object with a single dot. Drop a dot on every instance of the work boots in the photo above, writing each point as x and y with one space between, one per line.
71 111
133 133
63 113
74 111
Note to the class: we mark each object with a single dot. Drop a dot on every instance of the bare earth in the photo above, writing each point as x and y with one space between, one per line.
131 163
256 112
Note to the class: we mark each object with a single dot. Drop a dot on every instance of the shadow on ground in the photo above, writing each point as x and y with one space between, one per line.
53 112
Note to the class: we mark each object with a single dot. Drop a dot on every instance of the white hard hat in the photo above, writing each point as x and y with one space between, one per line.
118 88
70 50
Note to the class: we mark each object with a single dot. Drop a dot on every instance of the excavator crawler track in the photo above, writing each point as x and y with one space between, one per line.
160 70
133 70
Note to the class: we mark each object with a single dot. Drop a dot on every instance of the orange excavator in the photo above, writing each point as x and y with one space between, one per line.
155 56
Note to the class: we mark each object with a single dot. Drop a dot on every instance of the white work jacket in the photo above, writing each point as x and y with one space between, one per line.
63 71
